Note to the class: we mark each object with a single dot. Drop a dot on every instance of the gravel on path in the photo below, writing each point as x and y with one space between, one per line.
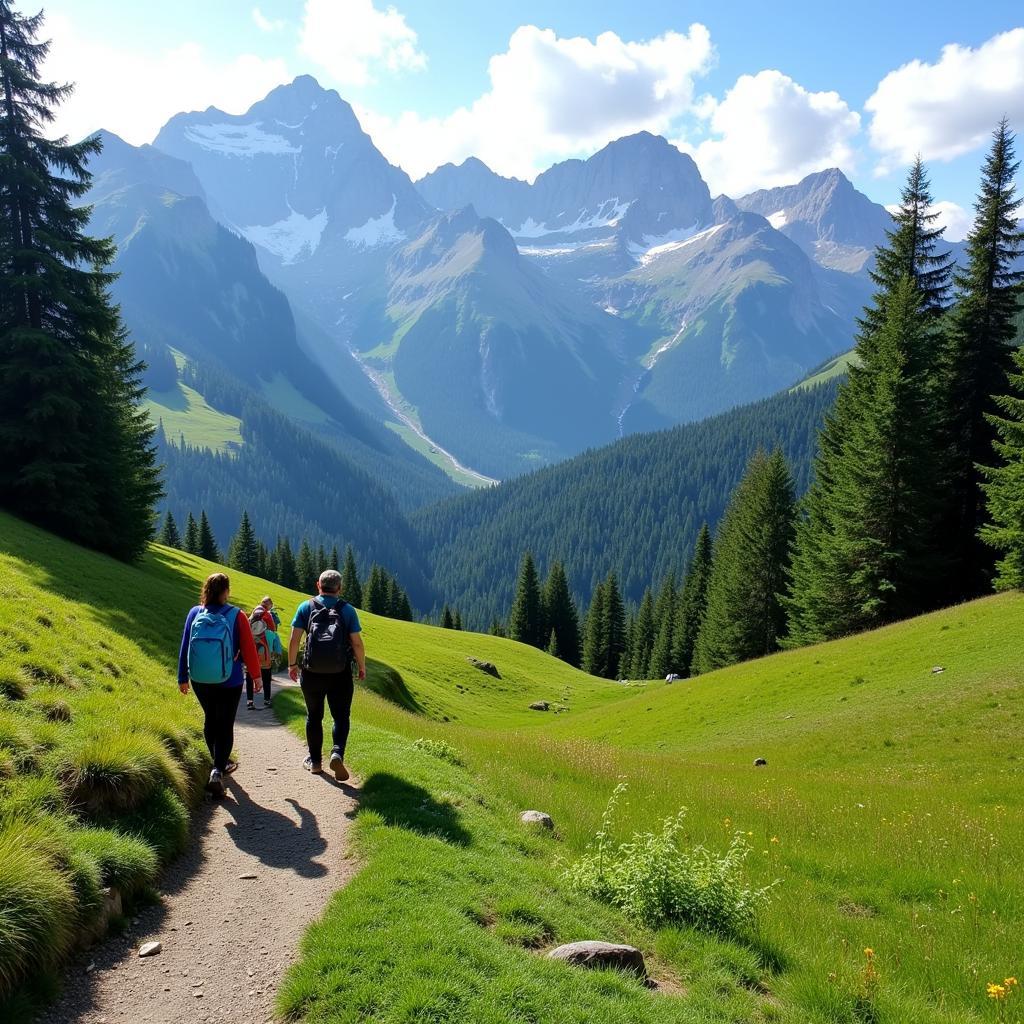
227 936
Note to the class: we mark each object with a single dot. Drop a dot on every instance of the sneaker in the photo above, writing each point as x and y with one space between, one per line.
231 768
338 766
216 783
267 703
249 704
315 767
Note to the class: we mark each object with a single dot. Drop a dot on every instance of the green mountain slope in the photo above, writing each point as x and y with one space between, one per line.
634 506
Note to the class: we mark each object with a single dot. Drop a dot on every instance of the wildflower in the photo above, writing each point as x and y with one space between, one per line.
996 991
869 952
1009 982
775 839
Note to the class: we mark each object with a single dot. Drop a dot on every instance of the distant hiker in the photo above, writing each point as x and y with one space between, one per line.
264 633
217 639
275 640
333 639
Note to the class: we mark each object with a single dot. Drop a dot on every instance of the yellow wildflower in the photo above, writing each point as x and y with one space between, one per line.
996 991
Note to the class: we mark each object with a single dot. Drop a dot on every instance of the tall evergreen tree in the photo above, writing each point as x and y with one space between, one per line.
334 563
1004 484
375 596
243 553
71 427
169 536
273 570
447 622
978 360
614 627
305 568
320 560
595 641
560 615
207 544
665 620
745 617
404 607
262 560
692 603
351 589
643 638
526 619
289 576
866 550
457 620
192 535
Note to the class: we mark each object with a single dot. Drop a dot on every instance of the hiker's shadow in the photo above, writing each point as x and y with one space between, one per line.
406 805
273 838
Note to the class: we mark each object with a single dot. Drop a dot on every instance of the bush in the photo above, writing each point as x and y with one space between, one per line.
655 880
439 749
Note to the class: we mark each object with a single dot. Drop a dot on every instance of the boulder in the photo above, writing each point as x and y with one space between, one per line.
537 818
601 955
760 762
485 666
937 669
539 705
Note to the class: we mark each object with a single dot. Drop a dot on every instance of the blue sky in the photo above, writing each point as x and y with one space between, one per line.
760 94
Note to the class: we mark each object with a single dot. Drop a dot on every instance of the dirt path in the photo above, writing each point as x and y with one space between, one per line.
226 939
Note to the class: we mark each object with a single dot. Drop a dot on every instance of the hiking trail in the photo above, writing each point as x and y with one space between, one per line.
227 940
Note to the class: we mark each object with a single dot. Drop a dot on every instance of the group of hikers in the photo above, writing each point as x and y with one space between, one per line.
221 647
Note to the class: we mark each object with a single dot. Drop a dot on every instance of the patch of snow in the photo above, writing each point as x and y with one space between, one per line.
777 219
645 253
285 124
607 215
294 238
651 360
242 140
377 230
612 310
549 250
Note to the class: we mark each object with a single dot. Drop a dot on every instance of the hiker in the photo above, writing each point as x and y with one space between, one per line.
264 633
333 639
216 641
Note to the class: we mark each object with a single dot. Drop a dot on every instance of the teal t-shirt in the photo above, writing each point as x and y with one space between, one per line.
348 613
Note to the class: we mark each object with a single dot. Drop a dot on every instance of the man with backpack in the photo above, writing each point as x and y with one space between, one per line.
333 640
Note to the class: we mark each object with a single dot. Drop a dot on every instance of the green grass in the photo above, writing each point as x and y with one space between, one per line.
429 452
184 411
835 367
282 394
891 809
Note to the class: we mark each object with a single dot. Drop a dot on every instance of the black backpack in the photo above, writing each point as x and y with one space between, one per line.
328 645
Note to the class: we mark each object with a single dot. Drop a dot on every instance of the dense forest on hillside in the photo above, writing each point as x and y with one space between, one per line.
634 507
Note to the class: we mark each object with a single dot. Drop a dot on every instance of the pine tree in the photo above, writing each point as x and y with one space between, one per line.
320 560
333 563
351 589
375 598
169 536
457 620
447 622
262 560
526 619
496 628
243 553
692 603
643 639
866 550
665 620
305 569
614 627
978 360
207 544
553 648
595 643
192 535
560 615
273 570
1004 484
288 571
745 617
404 607
71 426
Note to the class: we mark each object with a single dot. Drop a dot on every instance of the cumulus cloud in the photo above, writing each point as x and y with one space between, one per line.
163 82
953 218
265 24
353 39
552 97
769 130
944 109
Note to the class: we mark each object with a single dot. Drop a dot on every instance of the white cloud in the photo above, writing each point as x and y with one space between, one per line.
948 108
265 24
132 92
553 97
769 130
351 39
953 218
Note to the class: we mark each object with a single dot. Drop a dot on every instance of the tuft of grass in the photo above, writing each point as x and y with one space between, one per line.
13 685
123 860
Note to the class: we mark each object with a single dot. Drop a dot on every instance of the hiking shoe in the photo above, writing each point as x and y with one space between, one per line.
338 766
216 783
249 704
314 767
231 767
267 703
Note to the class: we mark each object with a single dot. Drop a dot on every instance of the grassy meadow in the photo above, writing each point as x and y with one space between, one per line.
889 812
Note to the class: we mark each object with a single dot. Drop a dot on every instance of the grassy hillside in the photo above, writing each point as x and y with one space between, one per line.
891 811
184 412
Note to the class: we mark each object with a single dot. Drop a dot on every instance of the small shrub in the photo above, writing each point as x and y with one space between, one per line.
440 749
655 880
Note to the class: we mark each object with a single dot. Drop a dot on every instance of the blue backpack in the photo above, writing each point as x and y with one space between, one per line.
211 645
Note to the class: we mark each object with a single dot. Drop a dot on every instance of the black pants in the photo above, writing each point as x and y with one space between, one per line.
336 689
266 674
219 703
